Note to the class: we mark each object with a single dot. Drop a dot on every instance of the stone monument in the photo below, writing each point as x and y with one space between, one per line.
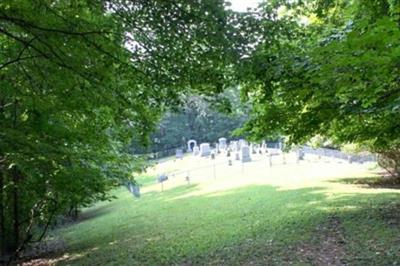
245 154
264 146
196 150
237 143
161 178
179 154
217 148
242 142
191 144
205 149
237 156
222 143
212 155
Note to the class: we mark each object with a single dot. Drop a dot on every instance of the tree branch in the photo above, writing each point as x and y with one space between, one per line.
24 24
17 60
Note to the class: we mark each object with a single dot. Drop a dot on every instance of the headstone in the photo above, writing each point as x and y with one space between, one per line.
233 145
245 154
162 178
237 156
253 149
217 148
179 153
191 144
237 143
205 149
228 153
300 155
264 146
256 148
242 142
196 150
212 155
222 143
229 162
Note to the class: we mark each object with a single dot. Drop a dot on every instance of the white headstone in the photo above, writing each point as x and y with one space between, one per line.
163 177
264 146
191 143
179 153
196 150
245 154
222 143
237 145
253 149
205 149
242 142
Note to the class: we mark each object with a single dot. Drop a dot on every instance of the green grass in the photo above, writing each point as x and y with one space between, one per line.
250 225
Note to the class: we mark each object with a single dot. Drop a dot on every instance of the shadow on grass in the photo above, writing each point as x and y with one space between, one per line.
170 192
96 212
257 225
93 212
371 182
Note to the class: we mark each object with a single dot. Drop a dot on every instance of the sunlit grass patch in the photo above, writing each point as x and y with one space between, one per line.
261 216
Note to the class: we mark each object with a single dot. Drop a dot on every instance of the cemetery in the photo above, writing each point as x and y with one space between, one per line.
279 203
229 132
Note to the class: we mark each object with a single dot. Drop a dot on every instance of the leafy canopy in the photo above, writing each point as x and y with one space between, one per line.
79 80
326 68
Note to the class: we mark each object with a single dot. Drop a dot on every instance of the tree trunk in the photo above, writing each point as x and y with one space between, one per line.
15 206
2 207
16 228
2 222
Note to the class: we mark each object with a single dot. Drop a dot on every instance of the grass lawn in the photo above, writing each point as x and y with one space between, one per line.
301 214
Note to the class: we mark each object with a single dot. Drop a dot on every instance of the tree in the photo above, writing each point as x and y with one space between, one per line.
79 79
335 76
204 119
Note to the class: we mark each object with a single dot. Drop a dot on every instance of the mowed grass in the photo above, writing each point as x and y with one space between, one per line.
254 223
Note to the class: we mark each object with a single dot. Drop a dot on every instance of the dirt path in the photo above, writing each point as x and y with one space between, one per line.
329 248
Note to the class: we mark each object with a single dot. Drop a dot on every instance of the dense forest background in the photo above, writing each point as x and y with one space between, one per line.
200 118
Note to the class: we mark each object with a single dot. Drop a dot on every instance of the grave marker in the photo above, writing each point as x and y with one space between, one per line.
245 154
205 149
179 154
222 143
191 144
196 150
